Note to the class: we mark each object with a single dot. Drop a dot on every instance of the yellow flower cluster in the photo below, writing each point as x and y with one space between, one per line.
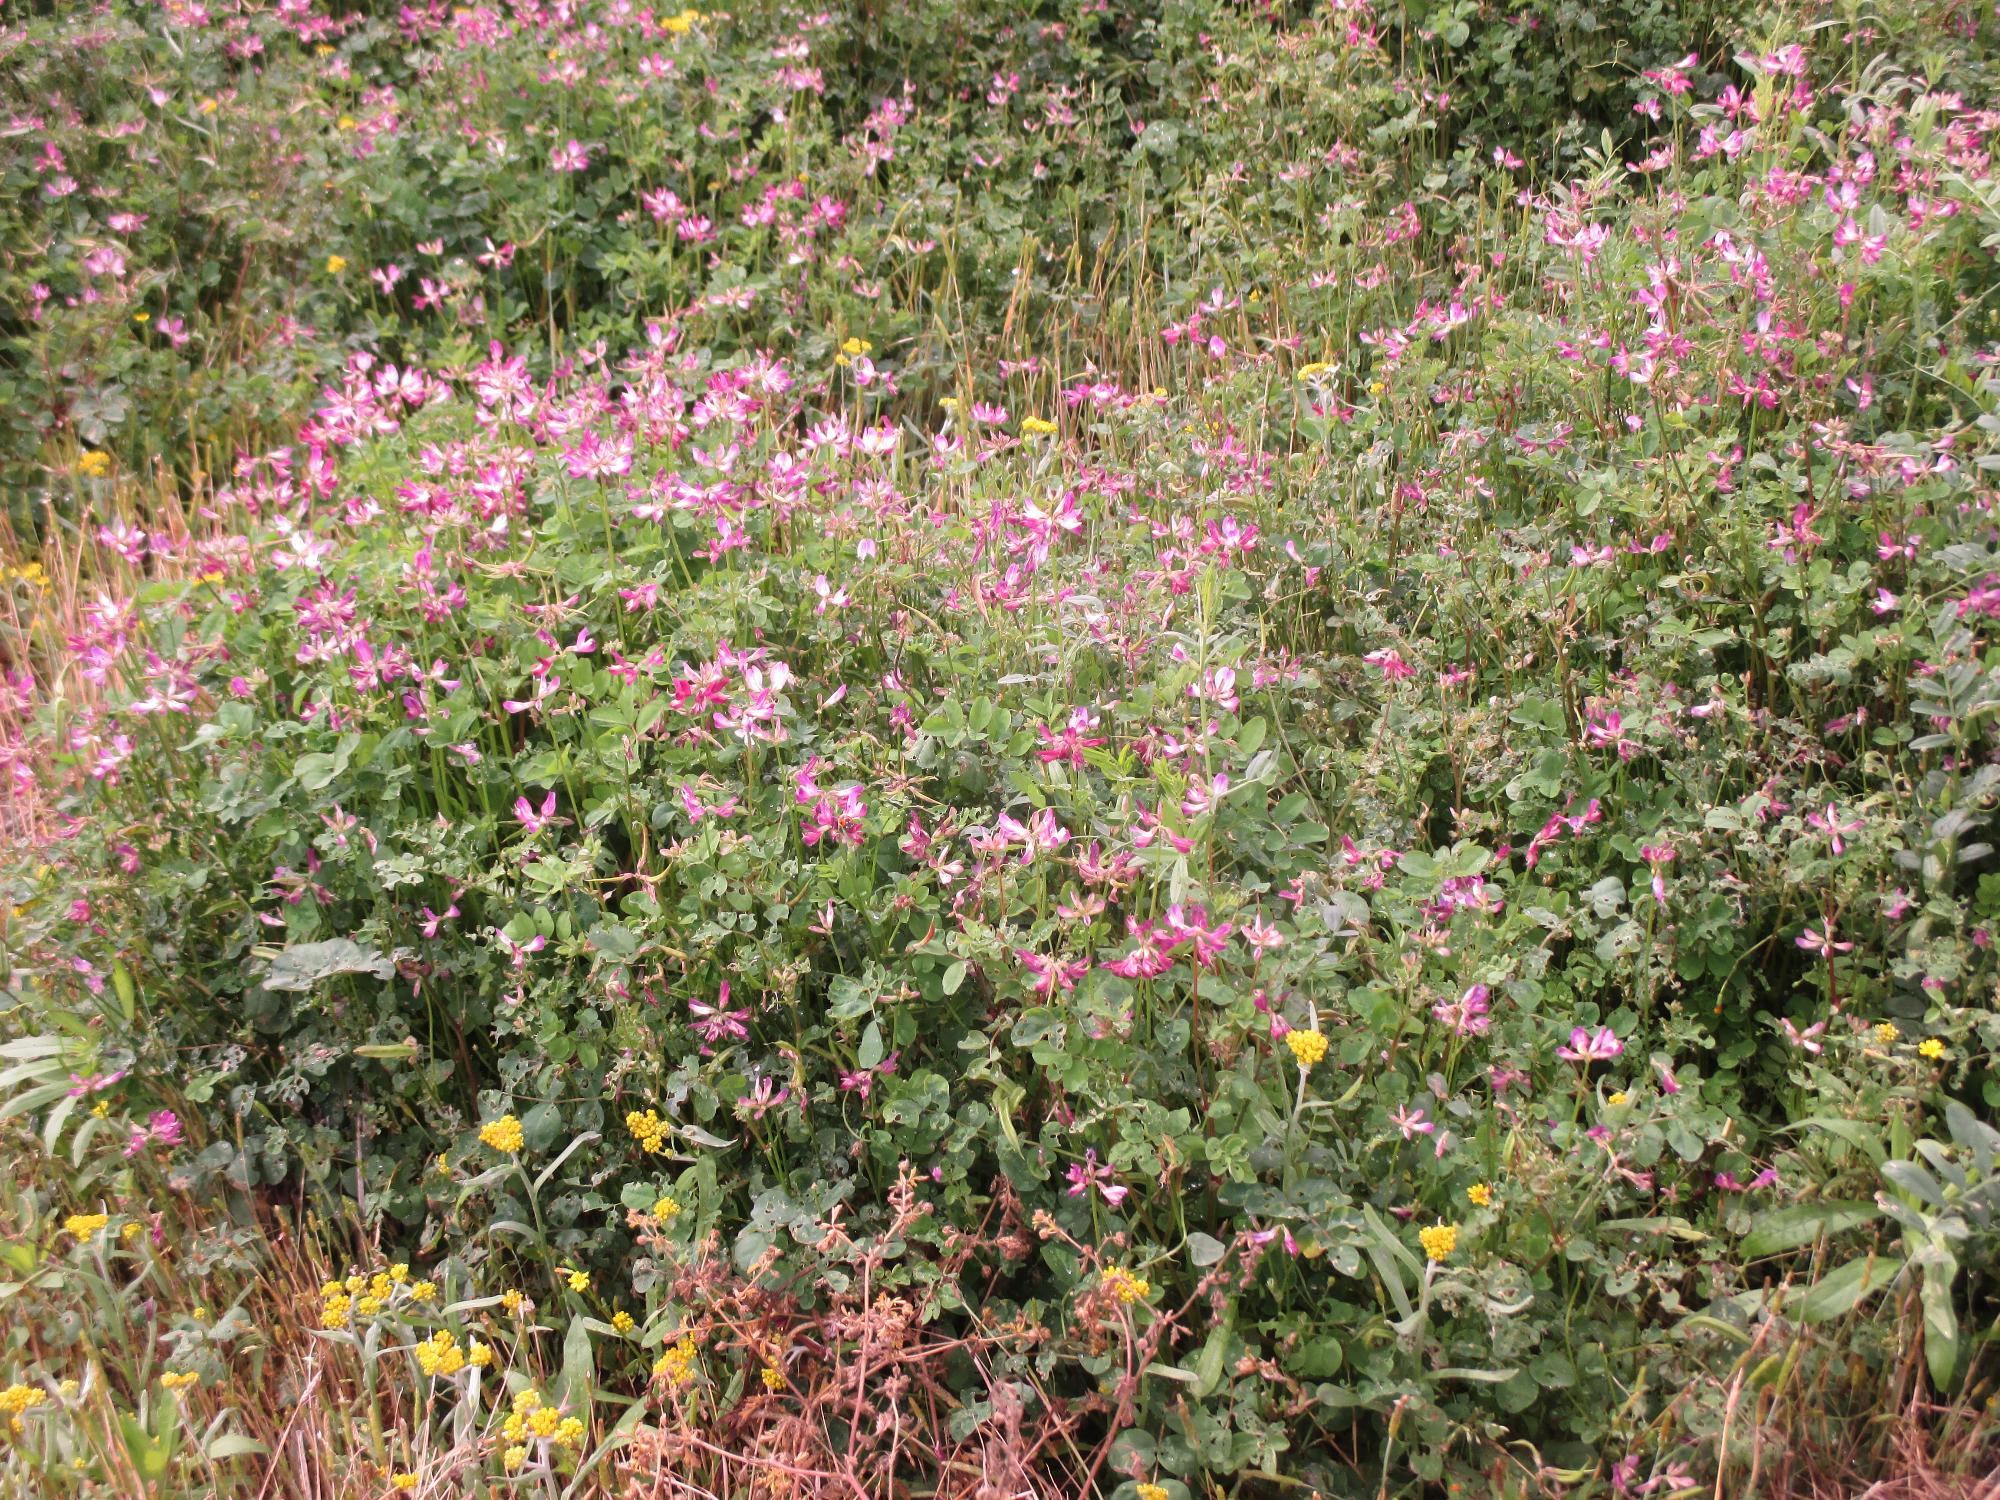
1886 1033
83 1226
335 264
336 1307
1150 1491
511 1302
181 1381
681 24
93 465
1037 427
403 1481
1309 1047
666 1208
623 1321
773 1378
16 1399
367 1295
440 1354
503 1134
648 1129
676 1365
1439 1240
1123 1285
532 1418
1317 367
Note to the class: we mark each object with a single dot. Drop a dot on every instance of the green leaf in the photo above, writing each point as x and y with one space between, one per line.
1803 1224
1205 1249
303 965
1840 1292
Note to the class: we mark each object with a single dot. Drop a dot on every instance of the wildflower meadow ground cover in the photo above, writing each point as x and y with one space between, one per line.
1159 750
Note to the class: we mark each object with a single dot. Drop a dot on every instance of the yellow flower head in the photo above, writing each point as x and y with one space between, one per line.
579 1281
622 1321
773 1378
404 1481
514 1457
648 1129
92 464
1931 1047
504 1134
1886 1033
83 1226
1150 1492
1480 1194
180 1382
1123 1285
666 1208
1317 367
1037 426
1439 1240
335 264
1309 1047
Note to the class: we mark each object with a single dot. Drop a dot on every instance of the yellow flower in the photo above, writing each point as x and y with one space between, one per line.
1480 1194
348 122
579 1281
1439 1240
648 1129
1317 367
181 1381
1037 426
569 1432
335 264
503 1134
478 1354
1886 1033
622 1321
1616 1097
676 1365
679 25
131 1231
1150 1492
773 1378
1309 1047
209 106
1123 1285
856 346
1931 1047
666 1208
92 464
512 1301
142 317
17 1398
83 1226
404 1481
440 1355
514 1457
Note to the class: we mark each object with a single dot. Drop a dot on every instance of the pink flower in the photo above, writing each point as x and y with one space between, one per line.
1591 1046
571 156
1088 1174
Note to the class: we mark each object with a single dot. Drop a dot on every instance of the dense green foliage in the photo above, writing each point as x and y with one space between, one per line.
1258 738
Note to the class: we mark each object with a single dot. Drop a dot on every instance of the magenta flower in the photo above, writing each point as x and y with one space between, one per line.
1588 1046
1090 1173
